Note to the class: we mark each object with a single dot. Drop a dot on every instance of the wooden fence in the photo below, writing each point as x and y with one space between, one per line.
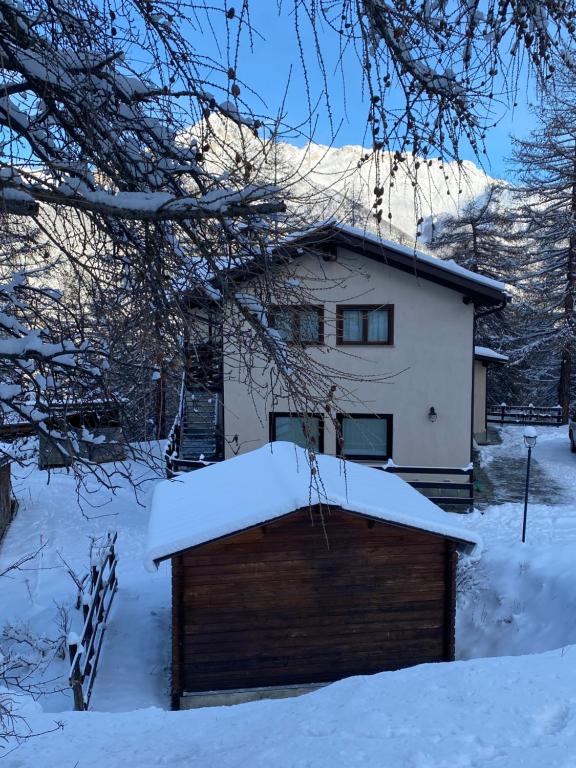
85 650
524 414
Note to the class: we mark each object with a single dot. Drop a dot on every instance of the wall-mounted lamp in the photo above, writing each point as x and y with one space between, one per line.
432 415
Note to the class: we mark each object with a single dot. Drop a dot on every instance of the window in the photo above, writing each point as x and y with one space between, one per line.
299 324
306 430
366 324
365 437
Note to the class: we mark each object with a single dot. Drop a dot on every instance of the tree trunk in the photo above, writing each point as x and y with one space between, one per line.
154 263
160 406
565 382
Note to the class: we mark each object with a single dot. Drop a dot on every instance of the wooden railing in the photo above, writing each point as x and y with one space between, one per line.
538 415
204 365
85 650
442 492
173 443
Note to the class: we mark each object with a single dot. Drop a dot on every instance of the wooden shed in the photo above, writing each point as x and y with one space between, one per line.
7 502
285 578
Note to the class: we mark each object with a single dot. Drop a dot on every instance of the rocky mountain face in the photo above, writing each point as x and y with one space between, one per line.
321 182
339 182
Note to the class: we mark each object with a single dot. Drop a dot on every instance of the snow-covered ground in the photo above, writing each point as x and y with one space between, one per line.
133 668
521 598
499 712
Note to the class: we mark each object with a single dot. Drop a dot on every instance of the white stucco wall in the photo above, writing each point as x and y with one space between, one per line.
430 364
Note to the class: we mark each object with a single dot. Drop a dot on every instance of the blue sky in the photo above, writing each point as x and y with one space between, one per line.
272 68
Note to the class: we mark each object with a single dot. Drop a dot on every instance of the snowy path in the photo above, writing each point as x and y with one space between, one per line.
521 598
132 667
505 467
552 511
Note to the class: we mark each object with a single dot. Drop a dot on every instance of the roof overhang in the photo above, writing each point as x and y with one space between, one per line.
482 291
489 356
326 237
467 546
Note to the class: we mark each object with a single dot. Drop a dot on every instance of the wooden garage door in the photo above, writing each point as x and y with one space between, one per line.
312 597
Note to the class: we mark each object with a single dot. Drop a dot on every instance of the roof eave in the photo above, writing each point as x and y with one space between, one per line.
468 546
479 294
491 360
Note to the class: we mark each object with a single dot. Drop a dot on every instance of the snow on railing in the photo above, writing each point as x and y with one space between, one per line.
524 414
84 650
173 444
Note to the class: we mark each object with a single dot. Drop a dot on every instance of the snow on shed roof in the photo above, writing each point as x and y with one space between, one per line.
485 353
273 481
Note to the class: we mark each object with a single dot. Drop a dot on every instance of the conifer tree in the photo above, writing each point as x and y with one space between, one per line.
547 213
483 238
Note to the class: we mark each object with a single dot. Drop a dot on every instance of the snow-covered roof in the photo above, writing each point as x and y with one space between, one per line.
273 481
485 353
423 263
449 265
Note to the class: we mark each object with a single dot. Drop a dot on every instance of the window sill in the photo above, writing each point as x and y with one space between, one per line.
369 460
363 344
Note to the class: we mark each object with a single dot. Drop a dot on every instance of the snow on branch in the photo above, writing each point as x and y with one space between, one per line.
86 124
440 73
145 206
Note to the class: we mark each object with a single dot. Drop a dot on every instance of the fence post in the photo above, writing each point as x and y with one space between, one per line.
558 414
531 412
502 412
111 551
75 684
84 651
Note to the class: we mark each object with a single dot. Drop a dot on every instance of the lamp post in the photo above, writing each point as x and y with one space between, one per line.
530 437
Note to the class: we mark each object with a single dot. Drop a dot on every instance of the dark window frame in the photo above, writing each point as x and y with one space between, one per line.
295 309
365 309
272 426
388 417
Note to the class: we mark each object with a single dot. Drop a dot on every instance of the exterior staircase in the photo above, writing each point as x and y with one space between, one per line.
196 436
200 426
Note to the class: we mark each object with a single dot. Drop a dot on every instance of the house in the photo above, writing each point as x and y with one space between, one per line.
95 426
7 502
483 359
394 330
287 575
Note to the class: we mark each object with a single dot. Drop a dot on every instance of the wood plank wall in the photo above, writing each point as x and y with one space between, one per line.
5 498
312 597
